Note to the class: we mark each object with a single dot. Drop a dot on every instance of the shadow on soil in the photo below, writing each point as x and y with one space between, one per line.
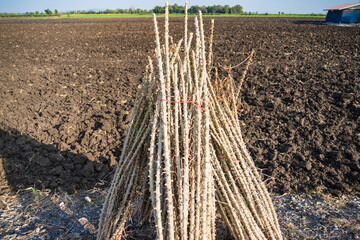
47 221
26 162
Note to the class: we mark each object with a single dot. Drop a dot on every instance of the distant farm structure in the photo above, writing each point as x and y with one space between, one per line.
346 13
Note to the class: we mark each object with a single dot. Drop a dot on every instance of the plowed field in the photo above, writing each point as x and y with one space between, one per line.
67 88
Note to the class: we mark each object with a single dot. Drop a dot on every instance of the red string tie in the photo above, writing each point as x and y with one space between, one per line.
184 100
123 235
128 158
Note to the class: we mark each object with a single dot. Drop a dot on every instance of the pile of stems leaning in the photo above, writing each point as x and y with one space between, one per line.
184 161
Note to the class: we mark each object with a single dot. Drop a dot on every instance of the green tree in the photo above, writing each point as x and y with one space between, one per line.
56 12
194 9
220 9
178 9
48 11
227 9
237 9
211 9
159 9
203 9
140 11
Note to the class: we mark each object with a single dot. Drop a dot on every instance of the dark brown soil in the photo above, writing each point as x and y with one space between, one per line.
67 88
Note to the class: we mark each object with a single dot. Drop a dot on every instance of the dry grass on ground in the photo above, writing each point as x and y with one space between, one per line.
64 216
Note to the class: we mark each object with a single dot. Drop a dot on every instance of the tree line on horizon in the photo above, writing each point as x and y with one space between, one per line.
215 9
208 10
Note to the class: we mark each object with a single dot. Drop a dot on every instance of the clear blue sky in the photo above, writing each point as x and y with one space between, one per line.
262 6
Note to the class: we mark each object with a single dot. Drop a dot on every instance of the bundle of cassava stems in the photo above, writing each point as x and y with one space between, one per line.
184 162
